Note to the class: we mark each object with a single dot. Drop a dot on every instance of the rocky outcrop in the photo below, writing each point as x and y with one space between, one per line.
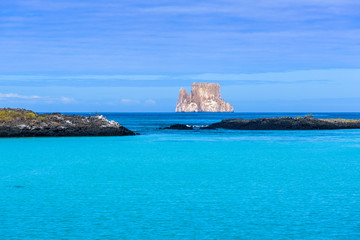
180 127
204 97
286 123
283 123
25 123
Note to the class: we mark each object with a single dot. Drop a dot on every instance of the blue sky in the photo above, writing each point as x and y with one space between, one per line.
279 55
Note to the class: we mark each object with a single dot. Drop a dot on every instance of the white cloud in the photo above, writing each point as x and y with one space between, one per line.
286 77
42 5
312 74
150 101
261 9
67 100
135 77
43 99
15 95
129 101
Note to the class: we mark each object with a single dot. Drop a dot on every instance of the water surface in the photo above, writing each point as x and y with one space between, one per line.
169 184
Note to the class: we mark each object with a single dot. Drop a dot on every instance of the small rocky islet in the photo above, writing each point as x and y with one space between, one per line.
180 127
26 123
280 123
204 97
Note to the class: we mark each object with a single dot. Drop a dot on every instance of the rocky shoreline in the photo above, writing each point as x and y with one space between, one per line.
282 123
26 123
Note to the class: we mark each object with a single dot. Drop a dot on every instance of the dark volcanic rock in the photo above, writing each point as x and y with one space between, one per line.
180 127
25 123
286 123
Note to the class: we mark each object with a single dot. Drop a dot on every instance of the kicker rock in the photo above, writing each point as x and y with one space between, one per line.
204 97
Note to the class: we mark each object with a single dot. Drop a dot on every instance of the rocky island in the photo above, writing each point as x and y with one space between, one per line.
26 123
204 97
281 123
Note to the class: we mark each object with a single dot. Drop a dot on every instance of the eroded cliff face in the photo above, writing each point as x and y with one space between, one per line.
204 97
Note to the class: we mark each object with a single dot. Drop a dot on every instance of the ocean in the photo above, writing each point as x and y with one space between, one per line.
171 184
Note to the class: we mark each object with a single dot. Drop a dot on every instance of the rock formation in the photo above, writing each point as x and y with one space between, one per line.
282 123
180 127
26 123
286 123
204 97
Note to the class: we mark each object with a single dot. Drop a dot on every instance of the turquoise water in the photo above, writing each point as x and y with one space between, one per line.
169 184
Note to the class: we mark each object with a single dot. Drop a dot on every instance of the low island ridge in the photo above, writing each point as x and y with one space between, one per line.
26 123
279 123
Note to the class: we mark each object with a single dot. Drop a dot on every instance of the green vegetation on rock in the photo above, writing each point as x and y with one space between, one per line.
8 115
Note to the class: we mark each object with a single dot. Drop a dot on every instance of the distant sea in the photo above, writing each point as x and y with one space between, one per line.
170 184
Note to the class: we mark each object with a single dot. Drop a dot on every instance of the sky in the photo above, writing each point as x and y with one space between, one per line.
134 55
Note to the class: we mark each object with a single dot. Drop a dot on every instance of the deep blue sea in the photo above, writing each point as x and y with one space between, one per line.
170 184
